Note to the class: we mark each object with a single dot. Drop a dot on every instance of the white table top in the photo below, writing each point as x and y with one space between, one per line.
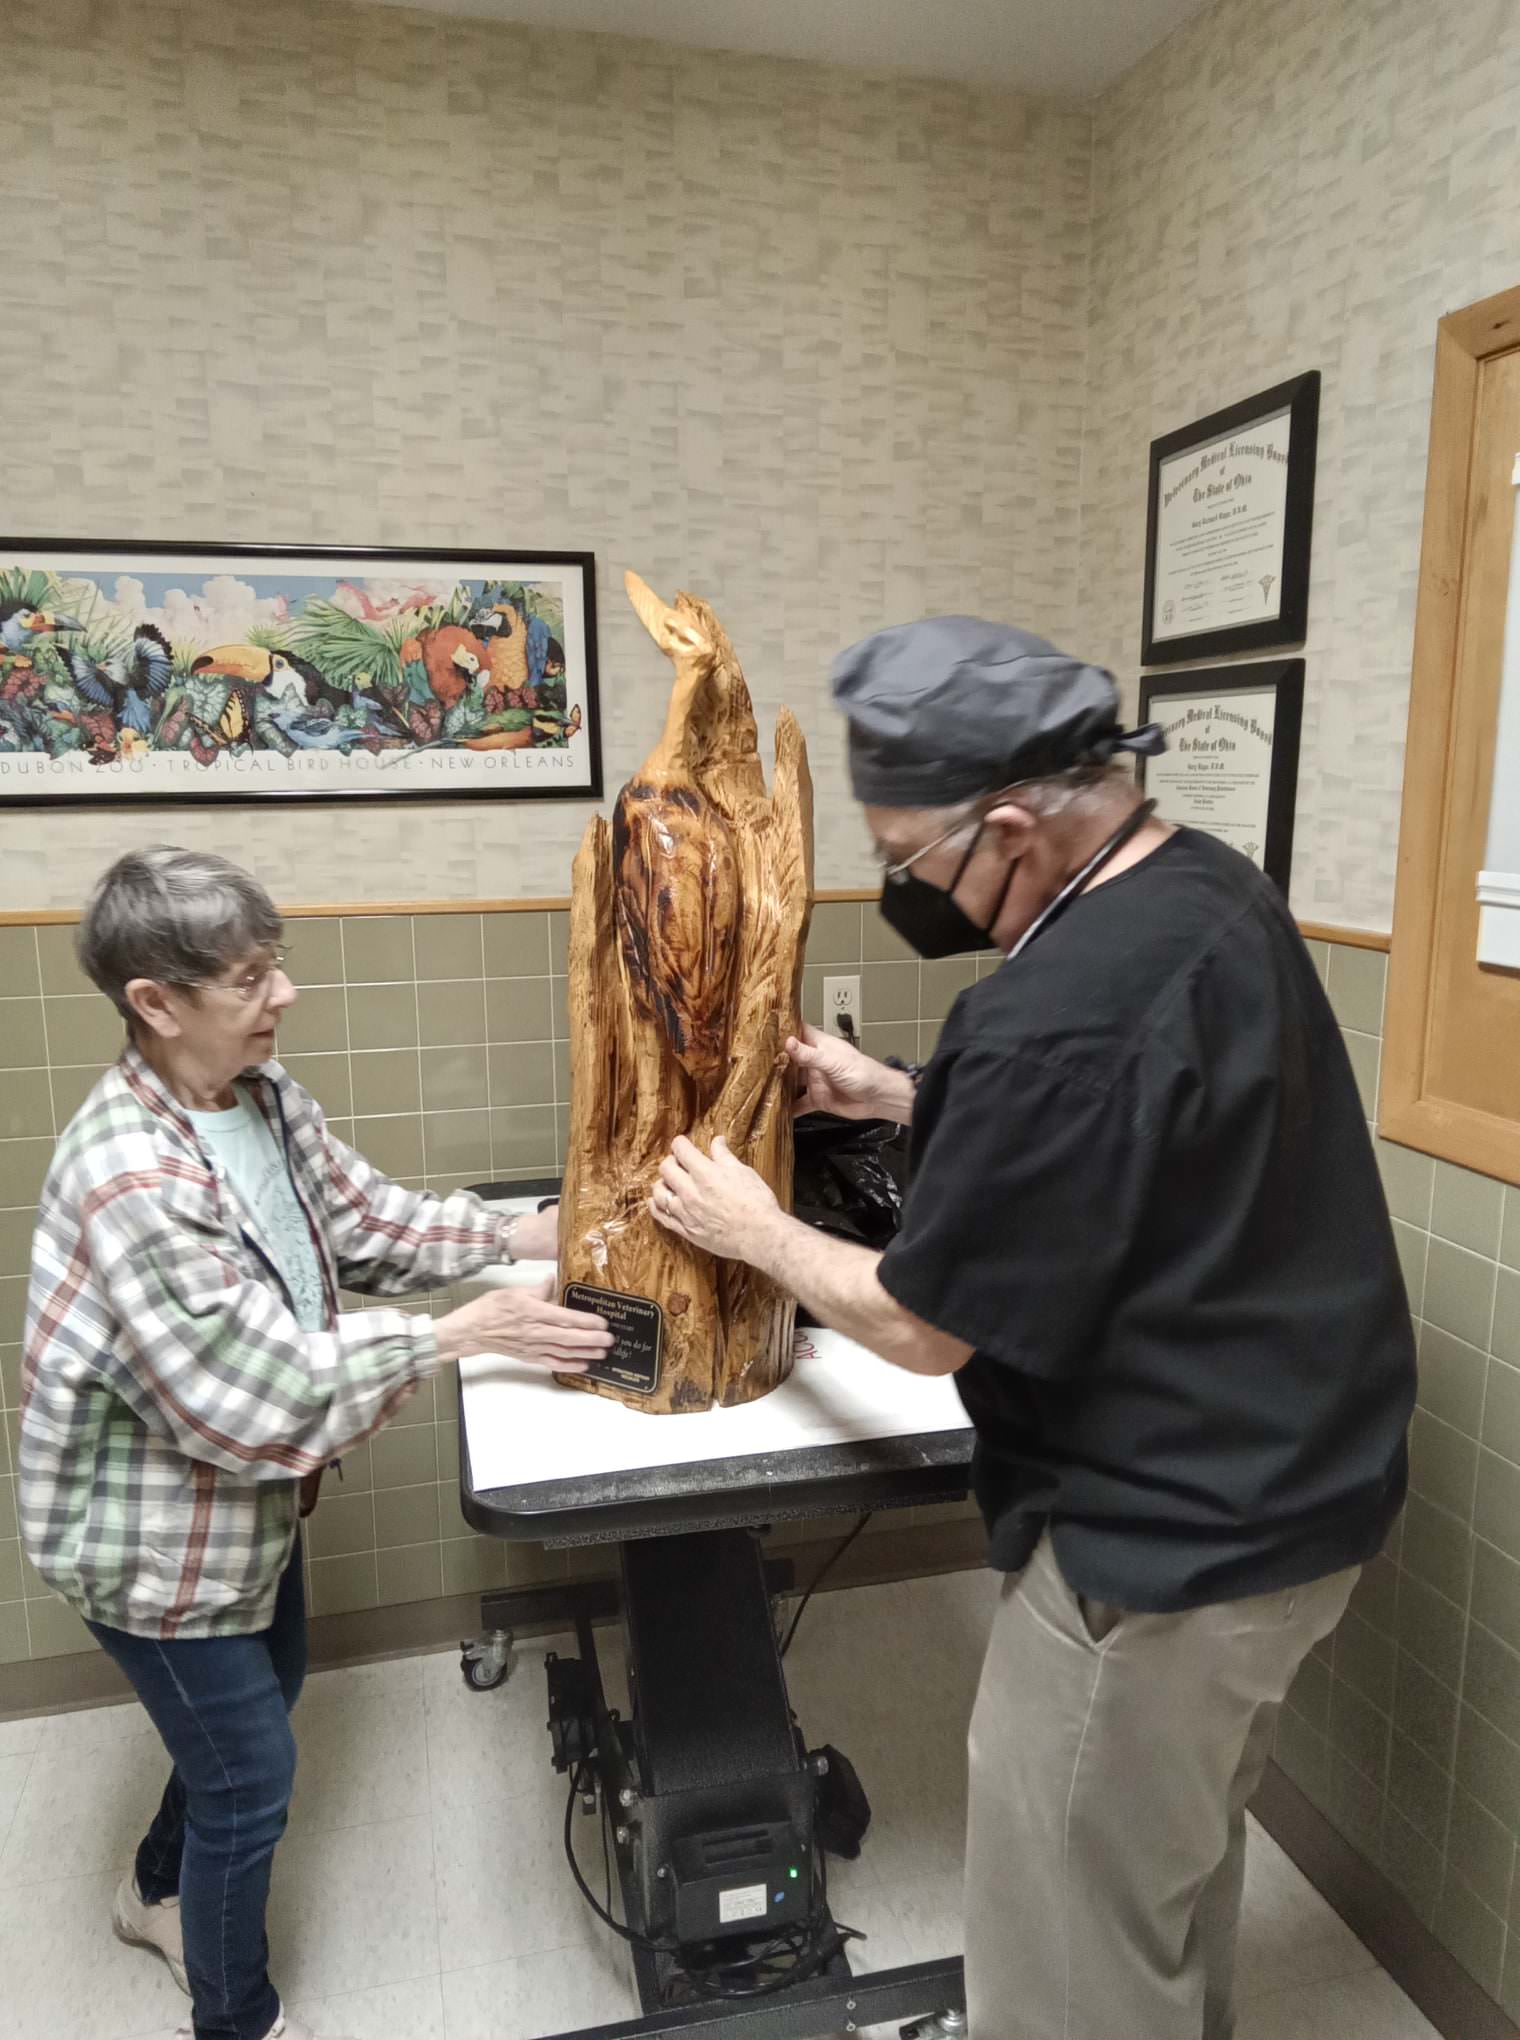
522 1428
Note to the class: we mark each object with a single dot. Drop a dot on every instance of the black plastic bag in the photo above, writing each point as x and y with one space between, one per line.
850 1176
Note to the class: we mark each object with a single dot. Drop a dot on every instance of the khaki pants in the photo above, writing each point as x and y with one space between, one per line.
1112 1758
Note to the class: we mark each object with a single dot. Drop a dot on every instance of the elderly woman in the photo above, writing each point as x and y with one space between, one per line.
188 1375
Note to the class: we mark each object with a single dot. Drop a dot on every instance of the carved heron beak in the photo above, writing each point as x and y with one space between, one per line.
674 633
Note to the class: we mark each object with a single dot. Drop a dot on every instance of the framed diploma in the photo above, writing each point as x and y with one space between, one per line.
1231 762
1228 528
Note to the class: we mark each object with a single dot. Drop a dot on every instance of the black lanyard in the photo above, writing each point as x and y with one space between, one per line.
1063 899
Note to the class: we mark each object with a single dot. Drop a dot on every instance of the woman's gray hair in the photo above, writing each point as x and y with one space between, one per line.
180 917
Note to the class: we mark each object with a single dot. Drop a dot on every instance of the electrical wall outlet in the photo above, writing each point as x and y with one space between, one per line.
841 1007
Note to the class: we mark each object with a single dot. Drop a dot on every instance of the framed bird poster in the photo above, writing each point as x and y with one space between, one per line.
191 673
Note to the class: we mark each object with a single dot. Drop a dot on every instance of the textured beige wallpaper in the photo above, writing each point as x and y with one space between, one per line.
806 341
1286 185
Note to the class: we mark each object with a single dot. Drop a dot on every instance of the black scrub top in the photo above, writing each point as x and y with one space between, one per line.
1144 1190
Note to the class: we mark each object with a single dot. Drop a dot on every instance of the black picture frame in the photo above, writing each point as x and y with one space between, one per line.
1286 679
367 562
1299 397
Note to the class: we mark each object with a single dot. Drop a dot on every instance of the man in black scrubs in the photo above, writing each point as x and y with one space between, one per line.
1147 1234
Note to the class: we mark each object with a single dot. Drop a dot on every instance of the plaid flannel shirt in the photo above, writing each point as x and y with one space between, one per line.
171 1403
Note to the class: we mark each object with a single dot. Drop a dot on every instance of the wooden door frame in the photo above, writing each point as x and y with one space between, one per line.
1439 1126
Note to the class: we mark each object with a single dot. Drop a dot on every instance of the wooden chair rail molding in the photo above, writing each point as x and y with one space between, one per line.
848 895
1451 1071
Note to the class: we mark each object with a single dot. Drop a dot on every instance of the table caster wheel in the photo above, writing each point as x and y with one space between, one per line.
487 1662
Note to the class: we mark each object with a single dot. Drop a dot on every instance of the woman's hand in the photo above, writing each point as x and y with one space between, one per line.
838 1078
535 1235
714 1201
524 1325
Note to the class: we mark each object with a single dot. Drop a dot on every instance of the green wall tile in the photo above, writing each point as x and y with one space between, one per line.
1304 1755
85 1030
13 1290
23 1168
326 1077
18 962
9 1527
412 1573
26 1105
1509 1238
1425 1710
448 946
10 1569
518 1009
1496 1511
559 1008
14 1643
1491 1680
1431 1628
457 1147
1363 1051
316 1024
834 935
878 942
450 1014
888 991
1310 1694
56 1630
1452 1380
407 1515
1473 1933
23 1038
1437 1549
517 945
1356 1805
1506 1335
1412 1864
341 1523
454 1079
1375 1597
1413 1248
1443 1465
472 1564
339 1585
941 984
383 1016
1319 956
1467 1209
70 1089
377 949
1407 1181
1420 1789
1359 1731
523 1137
1488 1766
1483 1848
60 962
1364 1658
1501 1410
404 1457
393 1146
521 1073
386 1080
1459 1292
1355 985
1496 1593
16 1229
315 950
892 1037
559 944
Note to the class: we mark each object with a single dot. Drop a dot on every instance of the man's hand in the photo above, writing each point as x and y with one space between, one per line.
525 1325
838 1078
713 1201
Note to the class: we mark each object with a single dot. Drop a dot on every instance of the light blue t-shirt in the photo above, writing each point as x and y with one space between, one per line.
240 1139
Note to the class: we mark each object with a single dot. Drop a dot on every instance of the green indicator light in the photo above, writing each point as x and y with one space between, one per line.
793 1871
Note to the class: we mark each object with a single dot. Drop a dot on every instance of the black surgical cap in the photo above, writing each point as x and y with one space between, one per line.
951 707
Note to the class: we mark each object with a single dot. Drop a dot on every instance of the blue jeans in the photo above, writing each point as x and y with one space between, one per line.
221 1705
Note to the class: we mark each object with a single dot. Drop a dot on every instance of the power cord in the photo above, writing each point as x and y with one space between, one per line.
821 1575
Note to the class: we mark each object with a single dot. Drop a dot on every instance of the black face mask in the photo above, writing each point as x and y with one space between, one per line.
929 920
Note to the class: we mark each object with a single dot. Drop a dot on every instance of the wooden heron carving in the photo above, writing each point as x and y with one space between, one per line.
688 918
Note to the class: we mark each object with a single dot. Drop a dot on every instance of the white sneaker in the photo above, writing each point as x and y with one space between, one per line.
156 1926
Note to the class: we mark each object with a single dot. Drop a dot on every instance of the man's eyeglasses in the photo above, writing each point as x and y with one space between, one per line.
893 874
